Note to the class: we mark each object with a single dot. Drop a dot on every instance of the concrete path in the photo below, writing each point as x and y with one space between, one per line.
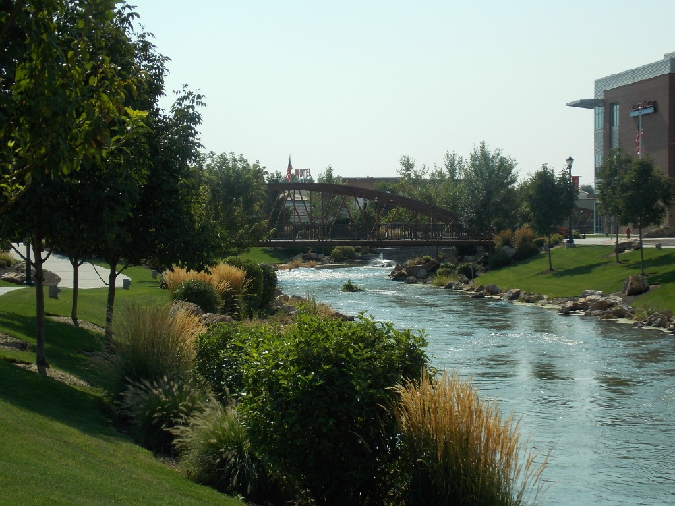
60 265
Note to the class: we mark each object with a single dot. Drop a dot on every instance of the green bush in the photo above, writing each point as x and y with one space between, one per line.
539 242
255 288
446 271
467 269
269 284
556 239
215 451
341 253
315 403
576 234
219 355
350 287
156 408
498 259
198 292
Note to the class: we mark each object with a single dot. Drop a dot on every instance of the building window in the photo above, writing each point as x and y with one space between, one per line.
614 139
599 117
615 115
598 163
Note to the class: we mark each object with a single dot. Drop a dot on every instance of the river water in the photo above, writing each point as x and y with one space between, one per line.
601 394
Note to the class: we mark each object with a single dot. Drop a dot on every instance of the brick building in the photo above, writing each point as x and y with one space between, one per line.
635 110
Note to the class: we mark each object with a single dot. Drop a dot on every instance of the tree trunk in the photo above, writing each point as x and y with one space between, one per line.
110 306
40 356
616 242
76 274
550 264
642 249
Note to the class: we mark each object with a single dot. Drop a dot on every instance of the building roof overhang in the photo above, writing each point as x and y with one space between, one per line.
587 103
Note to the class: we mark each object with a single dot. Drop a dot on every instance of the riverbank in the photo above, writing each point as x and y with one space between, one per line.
586 280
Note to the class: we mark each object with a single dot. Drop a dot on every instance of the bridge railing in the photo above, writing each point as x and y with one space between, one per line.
381 232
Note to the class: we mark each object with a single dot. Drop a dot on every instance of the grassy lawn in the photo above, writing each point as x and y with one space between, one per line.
591 267
267 255
56 446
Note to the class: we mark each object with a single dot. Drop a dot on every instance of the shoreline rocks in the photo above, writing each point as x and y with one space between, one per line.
588 303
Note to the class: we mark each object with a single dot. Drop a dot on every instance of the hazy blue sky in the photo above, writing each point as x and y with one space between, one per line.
358 84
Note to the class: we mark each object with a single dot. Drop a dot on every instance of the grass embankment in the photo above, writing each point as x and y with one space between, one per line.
591 268
56 446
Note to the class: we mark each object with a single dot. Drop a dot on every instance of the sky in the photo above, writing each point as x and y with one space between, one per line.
356 85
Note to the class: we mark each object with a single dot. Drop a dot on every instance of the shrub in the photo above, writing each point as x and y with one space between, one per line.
341 253
504 238
150 341
350 287
457 449
270 282
174 277
215 451
253 295
6 259
219 356
555 239
444 277
156 408
539 242
233 285
198 292
315 402
524 237
576 234
498 259
448 265
467 269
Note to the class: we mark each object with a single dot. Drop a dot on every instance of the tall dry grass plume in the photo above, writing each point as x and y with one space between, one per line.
151 341
458 448
174 277
224 278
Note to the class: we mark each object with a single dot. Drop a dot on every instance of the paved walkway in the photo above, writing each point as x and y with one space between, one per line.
60 265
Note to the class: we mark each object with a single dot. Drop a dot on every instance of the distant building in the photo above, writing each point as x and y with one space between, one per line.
635 111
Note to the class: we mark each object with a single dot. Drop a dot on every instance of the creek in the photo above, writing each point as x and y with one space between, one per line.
600 394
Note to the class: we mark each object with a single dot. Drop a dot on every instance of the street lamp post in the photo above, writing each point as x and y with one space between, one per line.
570 161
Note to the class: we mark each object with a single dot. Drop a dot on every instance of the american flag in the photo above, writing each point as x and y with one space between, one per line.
290 168
638 139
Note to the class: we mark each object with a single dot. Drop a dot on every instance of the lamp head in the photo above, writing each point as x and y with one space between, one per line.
569 161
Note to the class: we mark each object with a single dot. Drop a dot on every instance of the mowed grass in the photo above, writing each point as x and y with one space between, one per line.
591 268
56 445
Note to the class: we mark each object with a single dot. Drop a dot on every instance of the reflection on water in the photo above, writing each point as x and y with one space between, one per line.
601 394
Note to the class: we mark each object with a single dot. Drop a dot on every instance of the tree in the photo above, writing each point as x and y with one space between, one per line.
62 111
488 190
647 195
234 200
549 201
588 188
612 199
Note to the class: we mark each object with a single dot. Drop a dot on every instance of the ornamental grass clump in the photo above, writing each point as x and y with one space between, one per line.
215 450
155 408
457 448
150 341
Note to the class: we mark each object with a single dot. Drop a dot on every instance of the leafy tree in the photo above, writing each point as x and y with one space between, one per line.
549 199
647 195
588 188
62 110
234 200
488 190
612 199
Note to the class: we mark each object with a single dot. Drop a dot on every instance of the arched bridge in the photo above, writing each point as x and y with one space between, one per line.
307 214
